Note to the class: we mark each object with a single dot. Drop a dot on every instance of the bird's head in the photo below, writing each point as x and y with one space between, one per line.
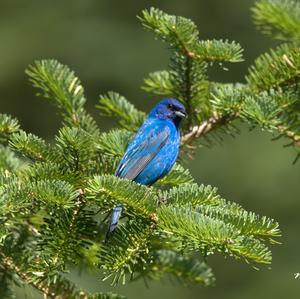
170 109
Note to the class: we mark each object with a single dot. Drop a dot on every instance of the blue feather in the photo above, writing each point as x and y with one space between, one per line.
153 150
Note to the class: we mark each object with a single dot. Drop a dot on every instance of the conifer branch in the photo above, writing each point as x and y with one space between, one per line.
48 290
278 69
187 77
290 134
279 19
187 269
206 127
159 83
8 126
51 209
59 85
187 88
29 145
59 289
176 177
114 104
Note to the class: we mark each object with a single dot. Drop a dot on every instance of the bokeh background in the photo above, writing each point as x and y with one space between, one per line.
104 43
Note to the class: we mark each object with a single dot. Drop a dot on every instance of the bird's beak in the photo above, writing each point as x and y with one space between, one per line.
180 114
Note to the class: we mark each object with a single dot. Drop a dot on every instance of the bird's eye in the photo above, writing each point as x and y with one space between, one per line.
171 107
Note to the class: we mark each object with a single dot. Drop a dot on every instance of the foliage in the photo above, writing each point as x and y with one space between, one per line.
54 197
278 18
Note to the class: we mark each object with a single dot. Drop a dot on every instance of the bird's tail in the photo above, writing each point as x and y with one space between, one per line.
115 216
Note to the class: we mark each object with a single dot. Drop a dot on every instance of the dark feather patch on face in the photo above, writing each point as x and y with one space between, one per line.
169 109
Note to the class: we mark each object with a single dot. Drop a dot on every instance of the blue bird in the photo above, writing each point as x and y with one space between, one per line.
153 150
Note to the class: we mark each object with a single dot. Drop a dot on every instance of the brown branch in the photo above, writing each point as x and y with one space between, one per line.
51 291
9 264
216 121
290 134
79 205
212 123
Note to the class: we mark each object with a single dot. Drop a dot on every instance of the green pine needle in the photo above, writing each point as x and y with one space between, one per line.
278 18
113 104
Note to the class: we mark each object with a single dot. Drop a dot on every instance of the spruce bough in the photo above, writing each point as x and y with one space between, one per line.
54 197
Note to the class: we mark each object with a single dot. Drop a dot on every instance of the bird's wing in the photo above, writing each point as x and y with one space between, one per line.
142 150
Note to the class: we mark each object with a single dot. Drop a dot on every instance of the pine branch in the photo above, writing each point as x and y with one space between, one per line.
8 263
54 192
111 147
8 126
59 85
51 208
182 34
64 241
114 143
187 85
127 253
8 159
176 177
279 68
274 110
206 201
109 191
178 32
30 146
128 116
60 289
45 170
193 195
159 83
247 222
294 136
200 232
206 127
187 78
279 19
6 278
186 269
219 51
76 149
15 196
19 196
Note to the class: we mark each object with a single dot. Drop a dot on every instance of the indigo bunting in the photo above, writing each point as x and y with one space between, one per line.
153 150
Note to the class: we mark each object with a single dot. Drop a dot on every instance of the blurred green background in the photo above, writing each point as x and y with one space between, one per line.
104 43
